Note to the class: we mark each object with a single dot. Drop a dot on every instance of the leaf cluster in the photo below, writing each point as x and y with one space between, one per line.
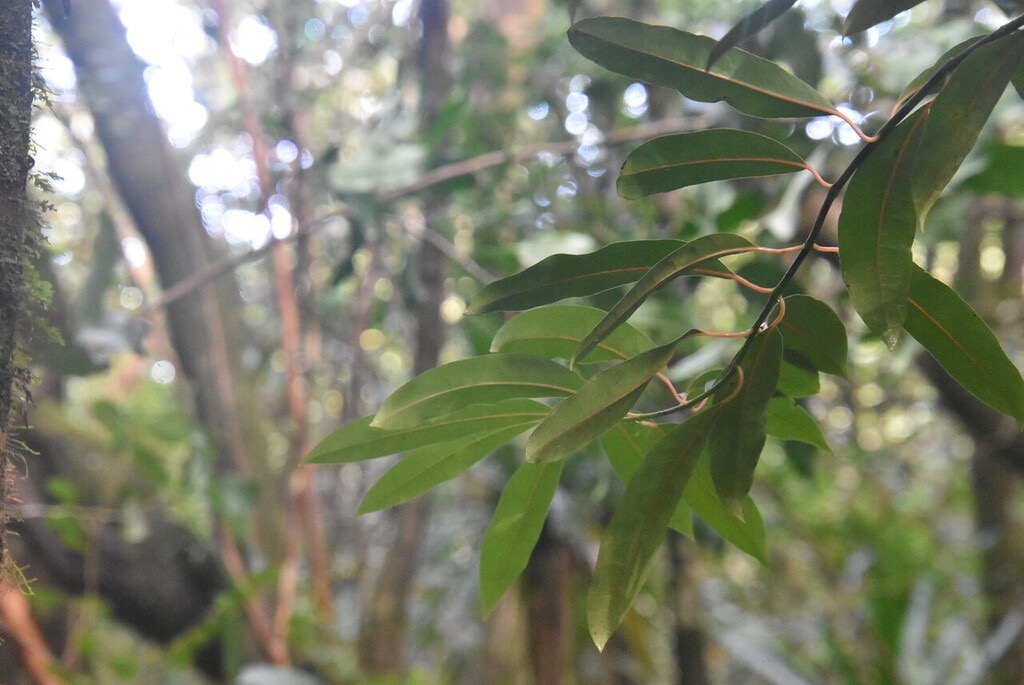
570 375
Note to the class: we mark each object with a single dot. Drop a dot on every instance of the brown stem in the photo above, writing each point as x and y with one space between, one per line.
21 628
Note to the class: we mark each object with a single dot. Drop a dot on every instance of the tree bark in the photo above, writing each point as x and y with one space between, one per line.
17 223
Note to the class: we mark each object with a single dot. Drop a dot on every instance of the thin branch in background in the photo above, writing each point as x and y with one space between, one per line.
430 179
276 643
489 160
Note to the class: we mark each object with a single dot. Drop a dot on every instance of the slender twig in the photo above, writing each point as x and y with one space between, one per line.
488 160
430 179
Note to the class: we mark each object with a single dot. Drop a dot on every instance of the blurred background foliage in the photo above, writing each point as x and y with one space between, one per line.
320 188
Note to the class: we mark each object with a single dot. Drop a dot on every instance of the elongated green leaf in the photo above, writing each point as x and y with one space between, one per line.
789 421
748 26
479 380
596 407
512 535
554 331
626 445
746 532
739 434
685 260
867 13
961 342
422 469
562 276
639 523
668 57
812 330
359 440
687 159
796 379
877 228
958 114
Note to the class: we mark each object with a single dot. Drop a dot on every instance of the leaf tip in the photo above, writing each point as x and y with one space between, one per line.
891 337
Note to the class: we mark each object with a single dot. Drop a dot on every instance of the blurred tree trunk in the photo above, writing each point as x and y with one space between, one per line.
151 181
997 464
551 628
202 326
385 622
688 640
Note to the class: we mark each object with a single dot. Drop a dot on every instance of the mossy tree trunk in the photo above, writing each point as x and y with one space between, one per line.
17 220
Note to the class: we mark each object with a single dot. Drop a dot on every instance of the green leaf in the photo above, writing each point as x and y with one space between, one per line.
554 332
1001 175
626 445
796 380
739 434
596 407
422 469
812 330
960 341
958 114
748 26
562 276
688 259
665 56
478 380
516 527
789 421
877 228
359 440
867 13
687 159
639 523
747 533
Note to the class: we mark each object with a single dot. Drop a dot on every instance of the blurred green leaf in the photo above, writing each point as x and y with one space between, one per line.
748 26
554 332
739 434
668 57
691 258
746 532
796 380
1001 175
811 329
957 115
422 469
562 276
787 420
877 228
359 440
638 525
512 535
478 380
626 445
867 13
960 341
596 407
686 159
